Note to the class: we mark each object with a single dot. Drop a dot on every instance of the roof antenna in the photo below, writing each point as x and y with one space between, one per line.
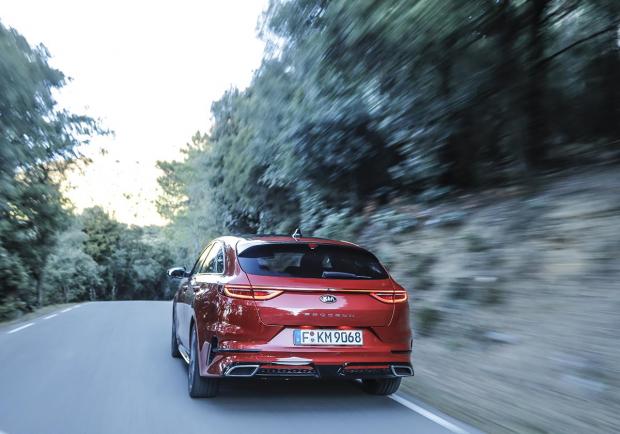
297 234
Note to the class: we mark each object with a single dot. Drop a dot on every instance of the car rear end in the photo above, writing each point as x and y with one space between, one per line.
327 310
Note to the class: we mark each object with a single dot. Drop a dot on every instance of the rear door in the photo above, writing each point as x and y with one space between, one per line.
321 285
206 282
186 296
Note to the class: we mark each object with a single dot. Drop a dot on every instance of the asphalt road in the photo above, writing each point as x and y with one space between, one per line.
106 368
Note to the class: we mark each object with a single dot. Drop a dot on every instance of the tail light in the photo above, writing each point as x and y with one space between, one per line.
266 294
245 293
238 292
390 297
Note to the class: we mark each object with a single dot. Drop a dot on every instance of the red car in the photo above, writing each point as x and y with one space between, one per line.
282 306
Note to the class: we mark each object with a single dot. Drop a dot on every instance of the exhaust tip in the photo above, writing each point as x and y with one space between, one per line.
241 371
401 370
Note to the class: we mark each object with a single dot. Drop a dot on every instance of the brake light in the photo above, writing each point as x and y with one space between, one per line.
245 293
390 297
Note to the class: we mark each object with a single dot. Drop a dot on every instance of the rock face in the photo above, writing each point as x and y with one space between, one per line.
516 304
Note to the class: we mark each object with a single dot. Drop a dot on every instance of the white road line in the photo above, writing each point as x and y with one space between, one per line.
31 323
20 328
429 415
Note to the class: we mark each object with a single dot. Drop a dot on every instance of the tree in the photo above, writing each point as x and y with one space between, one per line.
357 104
131 260
37 143
71 274
103 238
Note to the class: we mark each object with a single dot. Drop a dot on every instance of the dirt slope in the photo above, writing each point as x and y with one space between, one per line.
515 297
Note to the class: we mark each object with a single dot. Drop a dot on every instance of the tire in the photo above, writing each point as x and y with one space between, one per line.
174 344
382 386
199 387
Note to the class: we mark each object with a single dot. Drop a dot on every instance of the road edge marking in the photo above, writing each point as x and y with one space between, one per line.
20 328
428 414
16 329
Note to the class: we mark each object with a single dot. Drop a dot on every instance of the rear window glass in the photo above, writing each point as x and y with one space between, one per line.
315 261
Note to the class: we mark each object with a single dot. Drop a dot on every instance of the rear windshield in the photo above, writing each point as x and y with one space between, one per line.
311 260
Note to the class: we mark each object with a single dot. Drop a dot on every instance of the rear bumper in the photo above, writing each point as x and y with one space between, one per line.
311 370
384 354
344 363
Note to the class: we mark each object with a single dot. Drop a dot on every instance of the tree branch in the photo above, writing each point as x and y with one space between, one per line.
612 27
562 12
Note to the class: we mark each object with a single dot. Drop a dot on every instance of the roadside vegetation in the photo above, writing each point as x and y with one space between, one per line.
48 254
514 307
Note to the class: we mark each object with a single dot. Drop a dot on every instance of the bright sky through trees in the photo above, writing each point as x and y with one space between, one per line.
150 71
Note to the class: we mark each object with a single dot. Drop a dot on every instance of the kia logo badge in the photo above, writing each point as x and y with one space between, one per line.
328 299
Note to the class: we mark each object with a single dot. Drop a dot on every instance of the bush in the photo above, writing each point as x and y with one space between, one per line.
482 291
427 319
391 221
460 289
421 271
11 308
341 225
476 243
491 294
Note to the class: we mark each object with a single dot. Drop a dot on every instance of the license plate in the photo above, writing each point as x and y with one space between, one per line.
328 337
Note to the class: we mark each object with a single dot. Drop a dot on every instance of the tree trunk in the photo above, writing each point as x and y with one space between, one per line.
40 291
537 79
612 96
505 79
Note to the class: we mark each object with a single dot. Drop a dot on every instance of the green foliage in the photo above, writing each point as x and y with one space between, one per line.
139 264
476 243
98 258
363 102
187 200
485 291
427 319
70 273
103 234
388 220
131 261
461 288
420 270
340 225
492 294
14 282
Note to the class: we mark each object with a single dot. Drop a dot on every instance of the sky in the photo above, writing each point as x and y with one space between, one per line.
149 70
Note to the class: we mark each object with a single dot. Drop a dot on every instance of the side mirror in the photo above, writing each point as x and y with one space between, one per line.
177 272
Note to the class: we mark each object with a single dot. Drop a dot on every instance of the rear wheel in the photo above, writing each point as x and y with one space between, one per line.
381 386
199 387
